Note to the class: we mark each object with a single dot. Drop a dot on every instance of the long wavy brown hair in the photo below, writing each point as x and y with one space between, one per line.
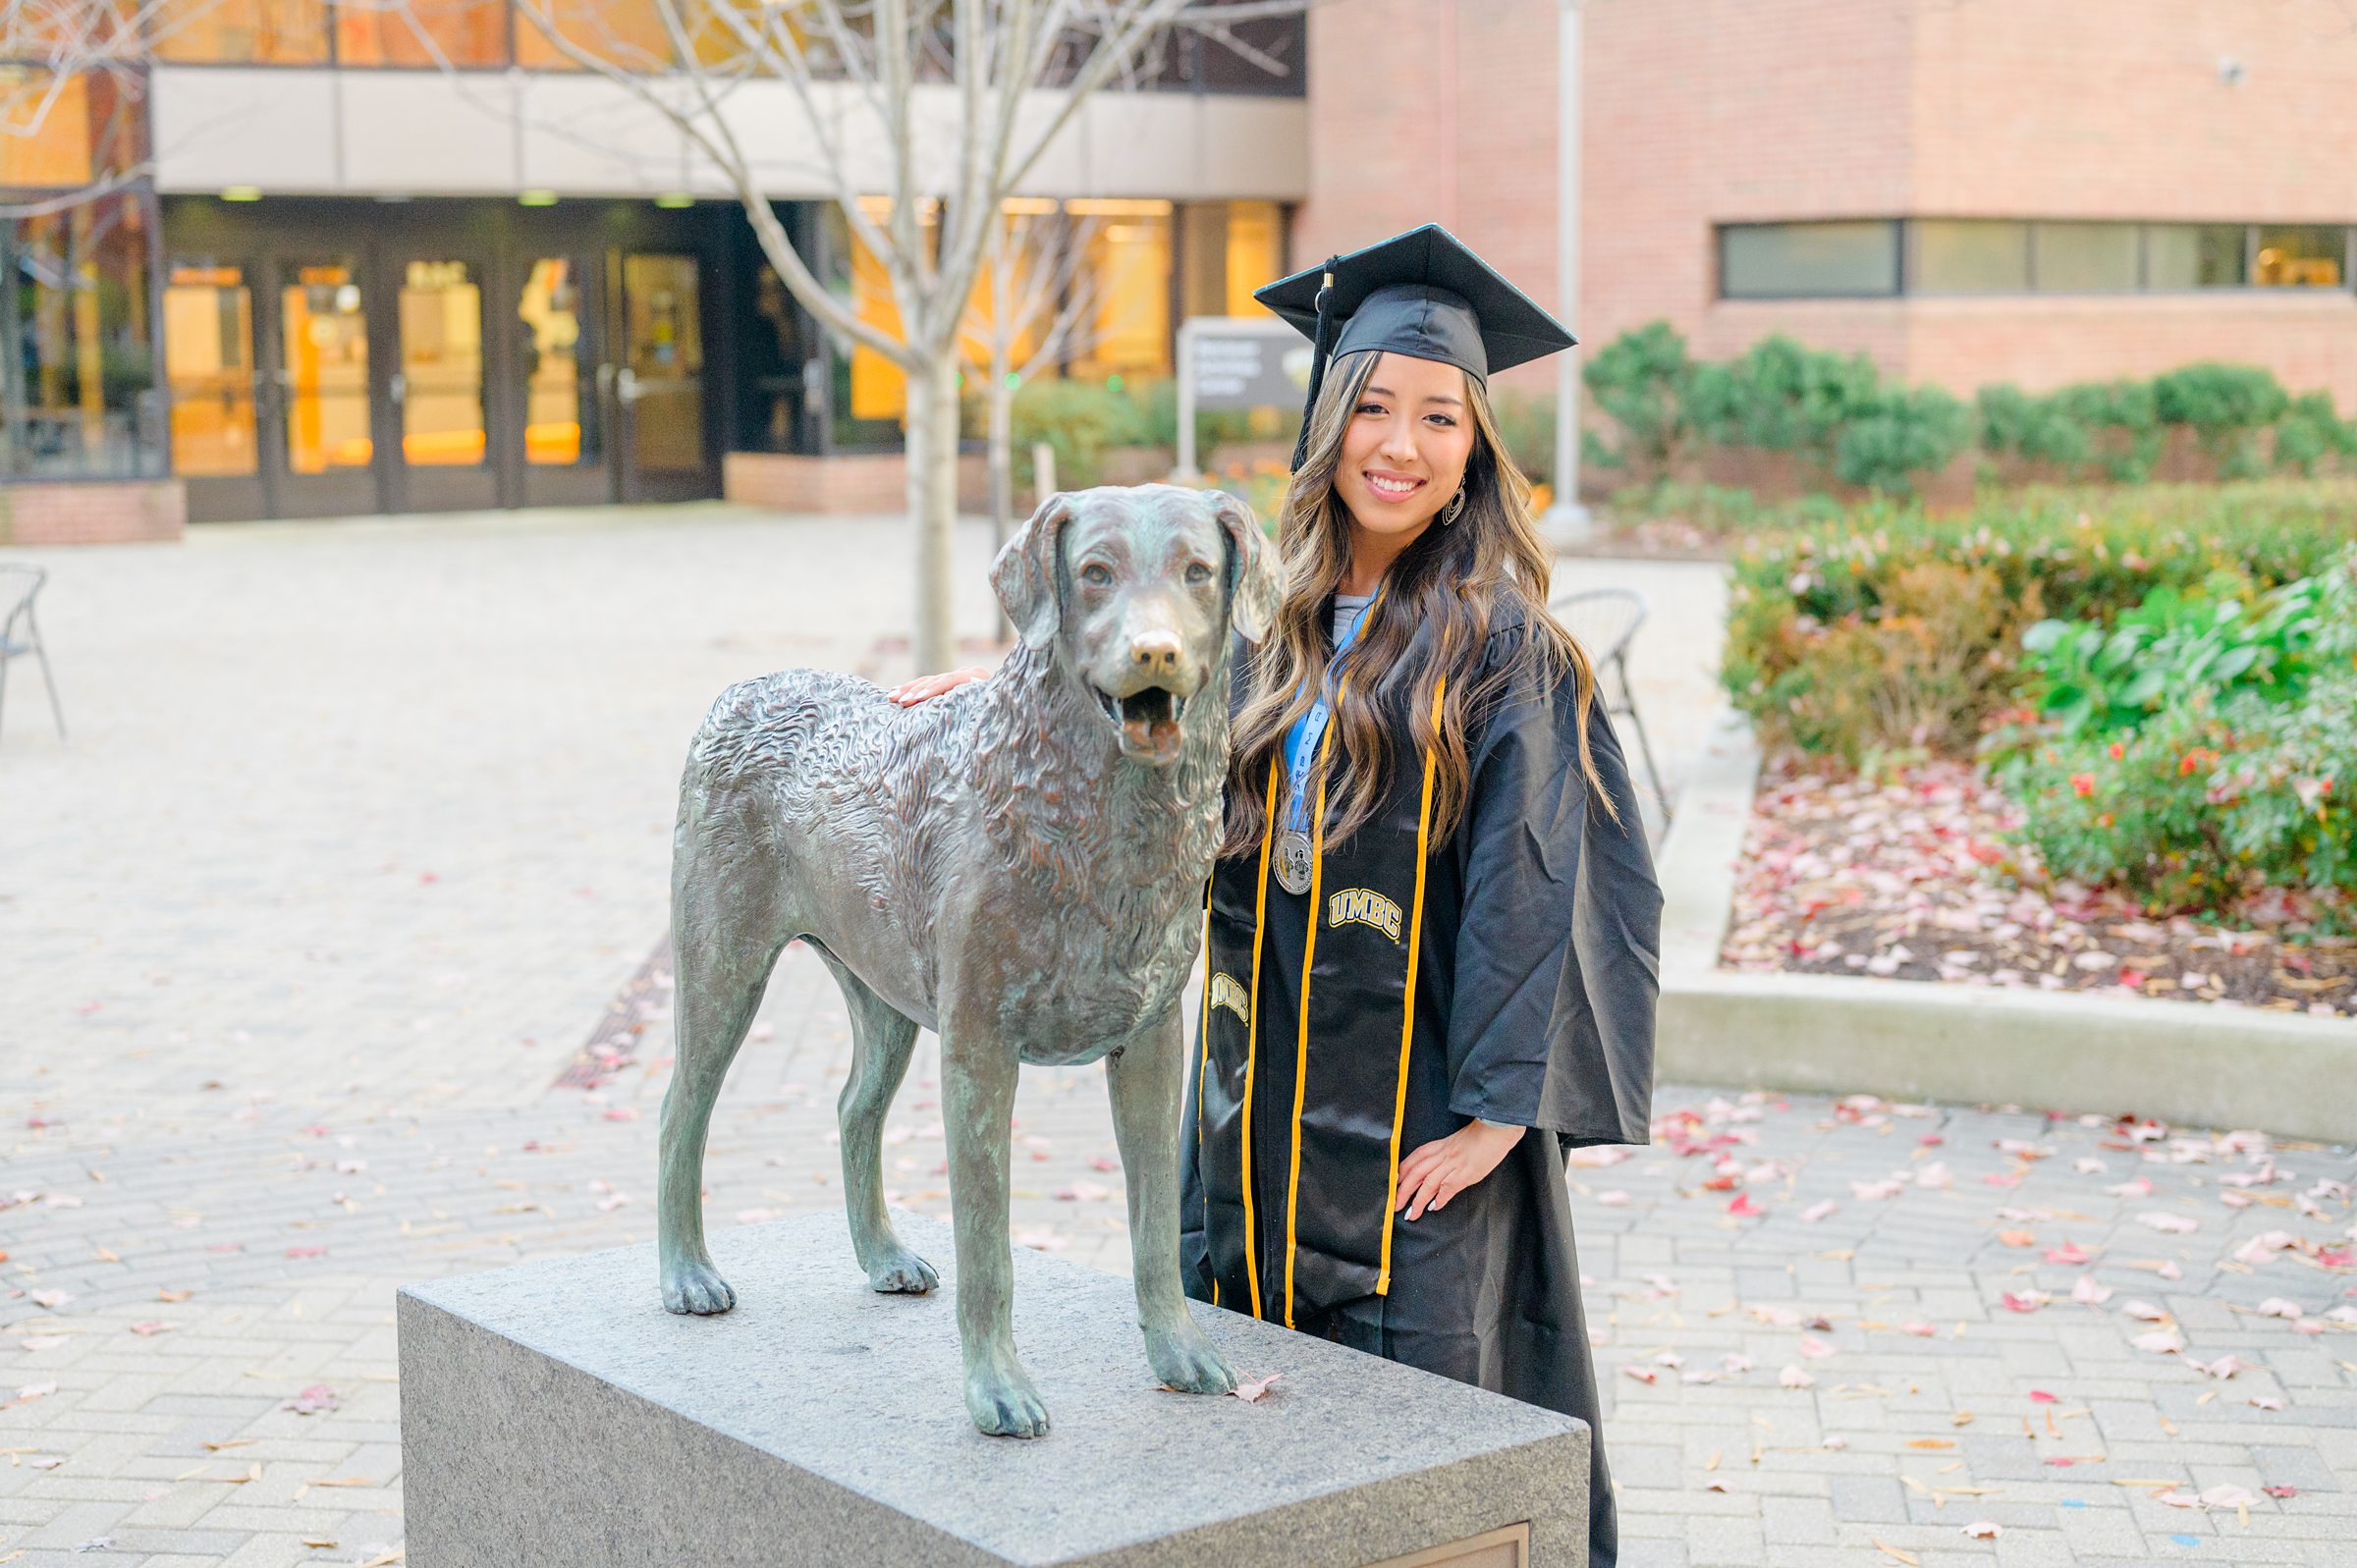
1430 621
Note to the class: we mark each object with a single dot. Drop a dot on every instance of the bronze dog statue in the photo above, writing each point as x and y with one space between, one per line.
1017 865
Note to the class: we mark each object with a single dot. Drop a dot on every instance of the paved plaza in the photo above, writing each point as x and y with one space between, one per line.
321 941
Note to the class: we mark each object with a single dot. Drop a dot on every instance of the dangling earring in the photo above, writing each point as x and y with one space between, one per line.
1456 507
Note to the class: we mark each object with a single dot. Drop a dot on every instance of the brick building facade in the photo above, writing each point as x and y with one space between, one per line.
1967 190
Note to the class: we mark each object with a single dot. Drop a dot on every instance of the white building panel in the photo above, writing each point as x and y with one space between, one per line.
429 133
216 127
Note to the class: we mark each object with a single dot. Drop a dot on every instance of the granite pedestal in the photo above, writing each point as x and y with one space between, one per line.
552 1413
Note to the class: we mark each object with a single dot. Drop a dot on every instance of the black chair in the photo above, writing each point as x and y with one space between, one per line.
1606 622
21 633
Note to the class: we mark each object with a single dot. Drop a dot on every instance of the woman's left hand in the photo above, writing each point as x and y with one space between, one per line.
1439 1171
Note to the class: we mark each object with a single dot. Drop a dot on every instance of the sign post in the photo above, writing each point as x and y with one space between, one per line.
1235 362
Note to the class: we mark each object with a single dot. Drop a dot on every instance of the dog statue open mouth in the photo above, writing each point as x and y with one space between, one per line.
1000 865
1148 720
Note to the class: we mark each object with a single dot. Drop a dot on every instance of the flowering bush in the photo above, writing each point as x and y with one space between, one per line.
2223 788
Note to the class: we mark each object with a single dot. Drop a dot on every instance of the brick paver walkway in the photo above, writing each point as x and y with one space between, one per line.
362 831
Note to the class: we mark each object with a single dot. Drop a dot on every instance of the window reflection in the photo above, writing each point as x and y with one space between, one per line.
1970 255
664 346
324 335
2193 255
1127 265
76 388
1780 260
440 365
2300 256
551 313
630 33
423 32
277 32
208 361
63 131
2086 258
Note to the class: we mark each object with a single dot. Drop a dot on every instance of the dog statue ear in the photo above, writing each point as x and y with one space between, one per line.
1251 574
1024 573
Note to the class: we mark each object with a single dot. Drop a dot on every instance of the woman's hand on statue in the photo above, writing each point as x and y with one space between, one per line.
1439 1171
908 693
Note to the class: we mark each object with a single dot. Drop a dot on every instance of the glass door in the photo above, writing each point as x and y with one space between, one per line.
210 374
319 451
659 386
564 435
436 385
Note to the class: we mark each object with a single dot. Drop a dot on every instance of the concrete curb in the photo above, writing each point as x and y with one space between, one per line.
2217 1066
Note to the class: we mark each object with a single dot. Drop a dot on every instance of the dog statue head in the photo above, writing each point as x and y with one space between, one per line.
1136 587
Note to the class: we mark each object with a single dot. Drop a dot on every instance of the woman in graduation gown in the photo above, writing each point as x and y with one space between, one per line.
1431 938
1432 935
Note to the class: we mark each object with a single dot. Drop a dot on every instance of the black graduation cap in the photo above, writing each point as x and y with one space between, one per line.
1421 293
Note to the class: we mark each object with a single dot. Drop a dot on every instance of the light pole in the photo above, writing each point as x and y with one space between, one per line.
1568 521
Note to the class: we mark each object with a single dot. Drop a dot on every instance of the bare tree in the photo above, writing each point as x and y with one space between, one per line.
1036 297
947 100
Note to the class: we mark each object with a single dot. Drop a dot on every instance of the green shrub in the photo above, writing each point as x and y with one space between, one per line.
1644 379
1527 422
2225 406
1900 433
1780 397
2016 424
1808 603
2313 433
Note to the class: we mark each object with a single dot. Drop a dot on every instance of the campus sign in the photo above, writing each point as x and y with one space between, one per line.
1236 362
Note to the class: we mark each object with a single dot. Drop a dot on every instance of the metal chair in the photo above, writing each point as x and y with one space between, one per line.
1606 622
21 633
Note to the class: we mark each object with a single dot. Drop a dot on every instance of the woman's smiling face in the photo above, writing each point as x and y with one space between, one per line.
1406 447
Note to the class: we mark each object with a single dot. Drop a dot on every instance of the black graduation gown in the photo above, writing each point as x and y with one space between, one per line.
1509 973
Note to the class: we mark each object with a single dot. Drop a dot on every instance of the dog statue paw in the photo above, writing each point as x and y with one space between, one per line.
1185 1358
694 1285
899 1271
1000 1397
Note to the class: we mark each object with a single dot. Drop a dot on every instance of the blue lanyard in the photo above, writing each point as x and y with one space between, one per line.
1301 740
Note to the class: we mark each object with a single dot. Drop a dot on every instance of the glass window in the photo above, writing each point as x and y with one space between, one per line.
1255 254
1035 237
556 432
1969 255
77 385
423 32
277 32
870 385
208 361
2086 258
441 316
2193 255
1782 261
1126 265
2305 256
65 132
324 329
630 33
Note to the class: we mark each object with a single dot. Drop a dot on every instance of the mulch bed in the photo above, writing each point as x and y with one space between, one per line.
1910 877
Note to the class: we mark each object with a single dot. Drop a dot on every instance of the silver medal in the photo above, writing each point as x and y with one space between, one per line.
1292 860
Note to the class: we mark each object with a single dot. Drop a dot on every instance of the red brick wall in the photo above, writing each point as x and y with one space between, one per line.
94 513
1699 112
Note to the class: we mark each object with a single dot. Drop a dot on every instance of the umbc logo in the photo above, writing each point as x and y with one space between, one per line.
1366 906
1226 992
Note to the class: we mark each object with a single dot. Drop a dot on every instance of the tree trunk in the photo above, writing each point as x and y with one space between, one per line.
932 460
1002 472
